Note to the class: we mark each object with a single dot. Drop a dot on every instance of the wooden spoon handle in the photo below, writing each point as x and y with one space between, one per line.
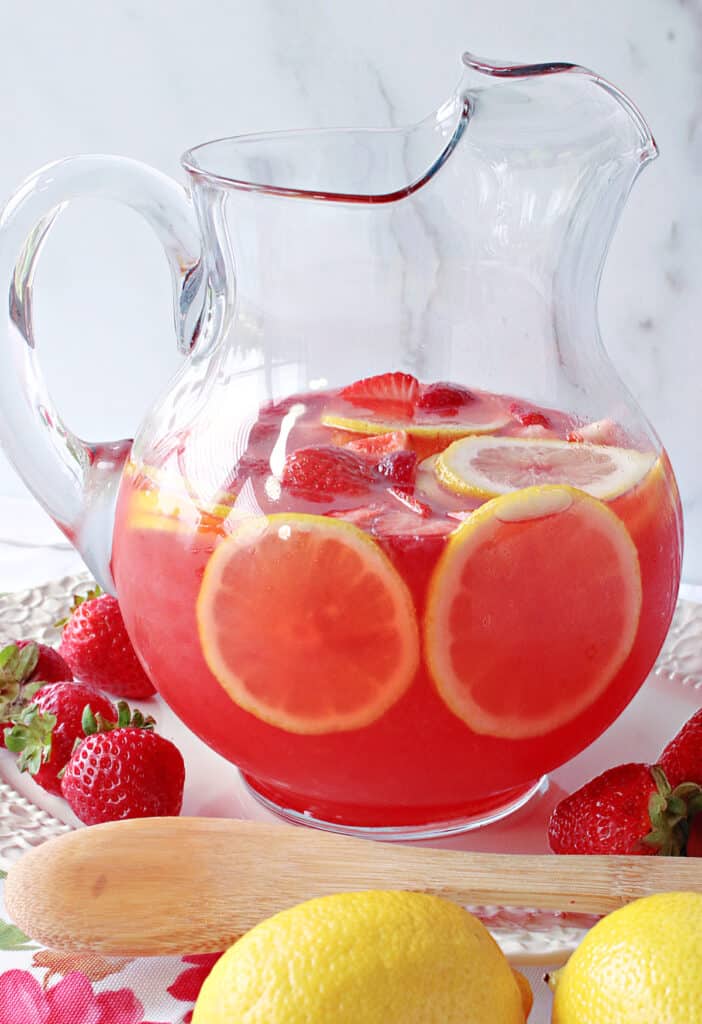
191 885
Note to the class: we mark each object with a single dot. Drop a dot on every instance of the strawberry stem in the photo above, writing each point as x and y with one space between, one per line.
16 668
126 718
670 811
78 600
30 737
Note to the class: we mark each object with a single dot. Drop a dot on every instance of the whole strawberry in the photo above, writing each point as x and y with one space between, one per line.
24 667
681 759
630 809
97 647
45 731
50 667
124 772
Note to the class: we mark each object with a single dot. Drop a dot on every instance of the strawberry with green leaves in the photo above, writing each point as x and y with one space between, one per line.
44 732
123 770
24 668
629 809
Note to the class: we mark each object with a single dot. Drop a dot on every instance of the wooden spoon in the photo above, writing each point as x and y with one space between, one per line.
158 886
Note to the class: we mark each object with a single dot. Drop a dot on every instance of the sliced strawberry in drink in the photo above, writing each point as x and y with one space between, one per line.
410 502
393 395
400 468
363 516
378 445
528 416
442 397
598 432
398 522
320 472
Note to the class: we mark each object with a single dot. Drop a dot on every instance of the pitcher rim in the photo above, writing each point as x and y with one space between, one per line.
646 151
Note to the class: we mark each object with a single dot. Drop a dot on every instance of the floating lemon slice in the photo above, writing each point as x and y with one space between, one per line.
428 487
485 467
306 624
484 419
172 512
532 610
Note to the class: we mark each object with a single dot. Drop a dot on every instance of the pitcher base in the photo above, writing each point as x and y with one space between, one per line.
340 820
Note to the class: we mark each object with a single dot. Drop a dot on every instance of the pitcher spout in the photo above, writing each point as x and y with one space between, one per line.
590 100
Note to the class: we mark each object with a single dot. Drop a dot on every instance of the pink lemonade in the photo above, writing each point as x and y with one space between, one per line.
412 611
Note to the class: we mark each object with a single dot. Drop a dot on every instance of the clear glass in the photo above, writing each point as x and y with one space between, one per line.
380 653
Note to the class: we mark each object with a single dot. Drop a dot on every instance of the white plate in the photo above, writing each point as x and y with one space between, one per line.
28 815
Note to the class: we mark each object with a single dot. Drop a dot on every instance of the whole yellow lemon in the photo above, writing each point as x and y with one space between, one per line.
366 958
641 964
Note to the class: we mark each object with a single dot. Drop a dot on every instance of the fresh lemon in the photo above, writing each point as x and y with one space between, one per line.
640 965
366 958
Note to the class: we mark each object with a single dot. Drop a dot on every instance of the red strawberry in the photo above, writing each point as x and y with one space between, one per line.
126 772
97 647
248 466
44 733
19 665
628 809
681 759
409 501
417 521
363 516
380 444
598 432
51 667
400 468
443 397
527 416
694 839
392 395
319 472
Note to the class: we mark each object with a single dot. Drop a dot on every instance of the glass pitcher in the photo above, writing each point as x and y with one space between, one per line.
396 540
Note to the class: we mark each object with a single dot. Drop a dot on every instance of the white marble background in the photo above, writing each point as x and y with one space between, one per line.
147 79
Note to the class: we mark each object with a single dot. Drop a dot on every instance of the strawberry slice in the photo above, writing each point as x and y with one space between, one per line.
400 468
392 395
444 397
363 516
528 416
319 472
377 445
410 502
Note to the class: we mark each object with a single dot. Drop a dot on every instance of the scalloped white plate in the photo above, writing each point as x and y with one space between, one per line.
673 691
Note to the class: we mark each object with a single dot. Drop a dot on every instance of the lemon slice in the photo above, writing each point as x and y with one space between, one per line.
485 467
172 512
429 488
532 610
484 420
306 624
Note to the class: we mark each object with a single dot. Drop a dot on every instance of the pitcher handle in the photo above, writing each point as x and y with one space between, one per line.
74 480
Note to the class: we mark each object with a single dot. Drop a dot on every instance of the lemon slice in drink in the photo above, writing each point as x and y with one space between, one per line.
483 467
532 610
484 418
306 624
